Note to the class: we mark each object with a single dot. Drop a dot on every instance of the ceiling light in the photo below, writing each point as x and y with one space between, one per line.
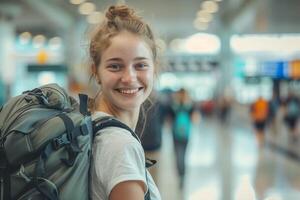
38 41
210 6
203 43
86 8
204 19
25 38
55 43
282 43
95 18
204 14
200 25
76 2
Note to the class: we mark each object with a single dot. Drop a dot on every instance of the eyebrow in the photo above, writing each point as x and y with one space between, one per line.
141 58
113 59
119 59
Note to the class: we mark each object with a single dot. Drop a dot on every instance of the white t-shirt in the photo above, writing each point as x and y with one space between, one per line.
116 157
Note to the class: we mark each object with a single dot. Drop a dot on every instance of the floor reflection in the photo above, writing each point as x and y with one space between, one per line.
225 163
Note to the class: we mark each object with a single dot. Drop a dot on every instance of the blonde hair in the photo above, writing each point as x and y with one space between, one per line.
119 18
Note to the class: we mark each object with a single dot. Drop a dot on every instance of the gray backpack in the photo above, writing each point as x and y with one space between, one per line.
45 143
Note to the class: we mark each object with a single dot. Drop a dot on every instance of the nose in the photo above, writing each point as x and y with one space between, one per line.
129 74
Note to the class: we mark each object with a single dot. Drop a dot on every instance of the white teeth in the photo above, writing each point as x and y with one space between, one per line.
129 91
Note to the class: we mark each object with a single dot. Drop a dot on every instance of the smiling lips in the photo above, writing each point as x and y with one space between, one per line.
128 91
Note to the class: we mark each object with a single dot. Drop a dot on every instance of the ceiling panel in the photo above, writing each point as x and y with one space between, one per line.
170 18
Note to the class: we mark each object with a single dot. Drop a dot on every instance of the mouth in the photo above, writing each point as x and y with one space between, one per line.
129 91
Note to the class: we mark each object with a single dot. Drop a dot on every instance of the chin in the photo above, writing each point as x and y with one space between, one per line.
129 106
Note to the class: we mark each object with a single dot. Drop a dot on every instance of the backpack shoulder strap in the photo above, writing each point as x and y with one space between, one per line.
109 122
105 122
83 104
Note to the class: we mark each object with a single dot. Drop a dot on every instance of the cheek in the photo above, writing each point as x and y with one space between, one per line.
107 80
104 79
102 74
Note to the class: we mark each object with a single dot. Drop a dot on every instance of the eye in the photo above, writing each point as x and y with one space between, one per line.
114 67
141 66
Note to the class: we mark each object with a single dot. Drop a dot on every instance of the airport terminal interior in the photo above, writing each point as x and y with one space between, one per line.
236 60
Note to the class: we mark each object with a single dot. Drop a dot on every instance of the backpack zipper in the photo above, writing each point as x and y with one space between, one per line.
8 118
63 94
23 109
20 112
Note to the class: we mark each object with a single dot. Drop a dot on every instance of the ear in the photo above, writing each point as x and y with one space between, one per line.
94 69
94 72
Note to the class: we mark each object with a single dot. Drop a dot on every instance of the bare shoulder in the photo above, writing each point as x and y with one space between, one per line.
128 190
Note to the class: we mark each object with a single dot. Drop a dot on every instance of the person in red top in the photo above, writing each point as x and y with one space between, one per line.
259 115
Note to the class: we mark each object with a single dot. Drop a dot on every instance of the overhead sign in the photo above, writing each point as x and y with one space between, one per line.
274 69
294 69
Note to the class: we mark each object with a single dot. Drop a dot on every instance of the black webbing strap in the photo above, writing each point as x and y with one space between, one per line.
40 167
149 162
68 139
72 148
48 190
68 124
60 141
83 104
81 130
108 122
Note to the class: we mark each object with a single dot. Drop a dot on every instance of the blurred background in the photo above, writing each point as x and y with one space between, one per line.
237 61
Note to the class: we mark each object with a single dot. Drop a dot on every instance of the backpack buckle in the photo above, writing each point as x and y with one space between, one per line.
22 174
60 141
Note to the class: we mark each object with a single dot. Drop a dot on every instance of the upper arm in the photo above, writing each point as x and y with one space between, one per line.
124 163
128 190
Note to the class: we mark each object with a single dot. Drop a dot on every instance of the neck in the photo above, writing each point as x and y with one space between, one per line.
128 117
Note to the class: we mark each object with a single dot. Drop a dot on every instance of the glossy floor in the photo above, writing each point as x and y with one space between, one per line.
224 162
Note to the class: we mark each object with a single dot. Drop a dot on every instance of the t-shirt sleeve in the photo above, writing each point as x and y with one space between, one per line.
118 157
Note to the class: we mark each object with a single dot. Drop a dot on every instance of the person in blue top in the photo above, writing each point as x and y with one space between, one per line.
181 113
292 113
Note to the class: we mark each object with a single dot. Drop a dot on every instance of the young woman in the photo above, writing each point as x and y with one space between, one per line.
123 54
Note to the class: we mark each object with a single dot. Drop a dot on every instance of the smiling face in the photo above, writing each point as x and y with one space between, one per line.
126 72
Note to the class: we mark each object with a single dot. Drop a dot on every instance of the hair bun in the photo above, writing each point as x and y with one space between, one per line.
121 11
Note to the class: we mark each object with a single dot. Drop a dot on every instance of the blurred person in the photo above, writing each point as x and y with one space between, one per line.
274 104
259 114
291 114
124 63
150 125
208 107
182 112
224 106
